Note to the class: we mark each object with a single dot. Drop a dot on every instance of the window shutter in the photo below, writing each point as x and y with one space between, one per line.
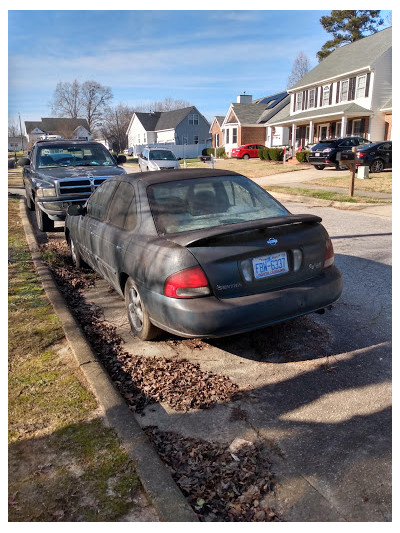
362 127
306 100
337 91
367 84
320 96
294 102
303 104
330 94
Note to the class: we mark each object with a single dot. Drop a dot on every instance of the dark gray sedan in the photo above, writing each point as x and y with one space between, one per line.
203 253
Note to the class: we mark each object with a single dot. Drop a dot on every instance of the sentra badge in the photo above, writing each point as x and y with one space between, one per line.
272 241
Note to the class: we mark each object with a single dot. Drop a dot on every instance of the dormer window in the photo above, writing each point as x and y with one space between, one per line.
361 84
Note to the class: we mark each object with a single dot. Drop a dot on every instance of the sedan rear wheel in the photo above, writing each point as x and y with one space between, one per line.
246 156
319 167
137 314
75 255
377 166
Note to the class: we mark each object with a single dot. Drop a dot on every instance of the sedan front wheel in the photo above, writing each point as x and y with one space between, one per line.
137 314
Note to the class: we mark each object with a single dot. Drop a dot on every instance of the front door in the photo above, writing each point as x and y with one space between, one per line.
323 131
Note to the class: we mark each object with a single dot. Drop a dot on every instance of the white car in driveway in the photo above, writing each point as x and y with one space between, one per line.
157 159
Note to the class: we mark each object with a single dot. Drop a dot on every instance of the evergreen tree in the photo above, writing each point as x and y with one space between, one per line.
348 26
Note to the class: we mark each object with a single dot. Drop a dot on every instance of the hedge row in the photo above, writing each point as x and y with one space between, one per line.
271 154
302 157
210 151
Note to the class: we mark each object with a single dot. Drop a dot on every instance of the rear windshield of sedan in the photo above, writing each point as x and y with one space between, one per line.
202 203
322 145
158 155
67 155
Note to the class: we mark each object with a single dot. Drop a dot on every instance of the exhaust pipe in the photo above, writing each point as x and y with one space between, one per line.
322 311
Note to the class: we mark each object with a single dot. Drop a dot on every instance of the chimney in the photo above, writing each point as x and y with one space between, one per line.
244 98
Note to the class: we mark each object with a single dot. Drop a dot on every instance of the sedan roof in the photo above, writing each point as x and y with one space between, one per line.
163 176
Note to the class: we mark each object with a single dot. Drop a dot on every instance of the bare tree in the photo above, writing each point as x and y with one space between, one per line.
13 128
301 66
168 104
66 100
94 99
114 125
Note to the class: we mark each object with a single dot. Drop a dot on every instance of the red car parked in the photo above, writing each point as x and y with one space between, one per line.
246 151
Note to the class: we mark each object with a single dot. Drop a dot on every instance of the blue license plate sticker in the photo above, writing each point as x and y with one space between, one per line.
270 265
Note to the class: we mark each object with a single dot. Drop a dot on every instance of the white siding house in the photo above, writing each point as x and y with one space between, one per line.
344 95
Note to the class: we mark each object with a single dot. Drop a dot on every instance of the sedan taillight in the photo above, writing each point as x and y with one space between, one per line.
188 283
361 154
329 254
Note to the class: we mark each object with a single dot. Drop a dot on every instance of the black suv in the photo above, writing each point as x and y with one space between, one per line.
59 173
328 153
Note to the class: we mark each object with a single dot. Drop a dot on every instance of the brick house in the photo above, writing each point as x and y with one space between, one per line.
246 121
216 132
348 93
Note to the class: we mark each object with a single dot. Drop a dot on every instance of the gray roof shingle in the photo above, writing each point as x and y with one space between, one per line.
166 120
349 58
52 125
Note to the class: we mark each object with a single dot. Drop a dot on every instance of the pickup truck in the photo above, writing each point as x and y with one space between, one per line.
58 173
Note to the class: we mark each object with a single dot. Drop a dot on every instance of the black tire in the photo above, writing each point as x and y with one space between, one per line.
75 255
246 156
319 167
43 221
28 200
137 314
377 166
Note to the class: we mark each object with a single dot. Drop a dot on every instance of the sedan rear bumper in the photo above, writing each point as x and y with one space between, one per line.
210 317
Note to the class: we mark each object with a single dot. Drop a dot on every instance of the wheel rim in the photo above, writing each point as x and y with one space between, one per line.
135 309
246 156
73 253
377 166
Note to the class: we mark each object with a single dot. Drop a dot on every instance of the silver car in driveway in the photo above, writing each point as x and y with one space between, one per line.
157 159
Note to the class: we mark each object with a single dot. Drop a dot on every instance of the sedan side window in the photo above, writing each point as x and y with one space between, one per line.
97 204
122 212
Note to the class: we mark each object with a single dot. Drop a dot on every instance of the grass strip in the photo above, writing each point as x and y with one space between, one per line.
325 195
65 464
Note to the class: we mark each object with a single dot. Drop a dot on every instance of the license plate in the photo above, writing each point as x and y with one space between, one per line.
317 154
270 265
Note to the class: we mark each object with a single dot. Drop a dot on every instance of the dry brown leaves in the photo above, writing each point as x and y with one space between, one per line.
219 484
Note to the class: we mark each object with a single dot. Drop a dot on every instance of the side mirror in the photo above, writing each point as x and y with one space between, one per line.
23 162
121 159
76 210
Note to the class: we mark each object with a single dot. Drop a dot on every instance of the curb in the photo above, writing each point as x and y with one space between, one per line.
157 481
324 203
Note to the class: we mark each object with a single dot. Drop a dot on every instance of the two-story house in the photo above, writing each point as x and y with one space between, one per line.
348 93
246 122
68 128
185 131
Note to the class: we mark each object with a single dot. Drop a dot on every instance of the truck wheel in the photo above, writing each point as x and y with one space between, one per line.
319 167
28 200
137 314
43 221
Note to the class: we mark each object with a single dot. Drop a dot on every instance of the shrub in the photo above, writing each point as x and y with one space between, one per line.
261 153
221 152
266 155
275 154
302 157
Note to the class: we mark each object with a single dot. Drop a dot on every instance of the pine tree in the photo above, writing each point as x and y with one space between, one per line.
348 26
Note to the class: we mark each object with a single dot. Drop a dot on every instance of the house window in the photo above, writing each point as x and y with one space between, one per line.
361 83
144 139
299 100
227 137
138 138
216 142
234 136
196 139
344 91
338 130
311 98
357 127
194 120
325 95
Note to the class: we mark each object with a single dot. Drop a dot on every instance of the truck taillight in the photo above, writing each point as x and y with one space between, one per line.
188 283
329 258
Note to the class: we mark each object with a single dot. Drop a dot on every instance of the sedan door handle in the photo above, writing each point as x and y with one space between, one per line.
119 248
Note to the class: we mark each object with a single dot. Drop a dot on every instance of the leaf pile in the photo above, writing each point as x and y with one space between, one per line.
140 380
219 484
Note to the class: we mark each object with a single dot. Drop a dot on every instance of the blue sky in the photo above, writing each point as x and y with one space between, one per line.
205 57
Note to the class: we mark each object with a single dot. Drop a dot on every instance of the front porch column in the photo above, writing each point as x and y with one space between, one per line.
344 126
268 140
294 138
311 133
